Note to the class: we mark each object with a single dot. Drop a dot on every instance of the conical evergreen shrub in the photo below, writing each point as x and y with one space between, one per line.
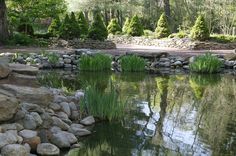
74 26
200 31
114 27
83 25
126 25
162 29
54 28
65 29
135 27
98 30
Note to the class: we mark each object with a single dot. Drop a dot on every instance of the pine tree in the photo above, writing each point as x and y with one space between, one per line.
74 27
126 25
135 27
200 31
98 30
54 28
162 29
114 27
65 32
83 25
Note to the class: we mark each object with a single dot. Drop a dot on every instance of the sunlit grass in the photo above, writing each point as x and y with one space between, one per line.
132 63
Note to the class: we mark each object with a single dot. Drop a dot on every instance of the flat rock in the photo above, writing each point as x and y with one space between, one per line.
10 137
63 139
88 121
26 134
4 70
13 126
78 130
41 96
48 149
8 107
59 123
14 149
23 69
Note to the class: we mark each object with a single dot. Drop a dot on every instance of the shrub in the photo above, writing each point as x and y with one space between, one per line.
132 63
223 38
135 27
83 25
98 30
162 29
148 33
54 28
105 105
114 27
126 25
180 34
200 31
74 26
97 62
53 58
21 39
206 64
65 31
26 29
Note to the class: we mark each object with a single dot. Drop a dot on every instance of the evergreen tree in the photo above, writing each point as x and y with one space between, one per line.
135 27
114 27
162 29
65 31
74 27
200 31
98 30
54 28
83 25
126 25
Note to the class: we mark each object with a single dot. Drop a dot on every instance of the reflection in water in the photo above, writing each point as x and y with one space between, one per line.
172 115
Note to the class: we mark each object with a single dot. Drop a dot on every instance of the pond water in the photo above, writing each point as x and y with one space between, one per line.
165 115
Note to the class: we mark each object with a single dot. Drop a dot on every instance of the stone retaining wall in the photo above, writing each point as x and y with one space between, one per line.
184 43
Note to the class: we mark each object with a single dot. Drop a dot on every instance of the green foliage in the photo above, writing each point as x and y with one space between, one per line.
180 34
53 58
200 31
97 62
135 27
74 27
148 33
132 63
54 28
65 31
126 25
105 105
26 29
162 29
98 30
83 25
114 27
206 64
222 38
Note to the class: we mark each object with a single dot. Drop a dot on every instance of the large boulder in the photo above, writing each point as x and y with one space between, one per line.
23 69
41 96
48 149
8 107
14 149
63 139
4 70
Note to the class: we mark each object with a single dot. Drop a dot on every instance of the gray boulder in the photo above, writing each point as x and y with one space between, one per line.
63 139
14 149
48 149
88 121
4 70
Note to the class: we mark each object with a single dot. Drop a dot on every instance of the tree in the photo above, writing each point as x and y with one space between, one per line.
54 28
200 31
114 27
126 25
98 30
83 25
3 21
65 32
162 29
135 27
74 27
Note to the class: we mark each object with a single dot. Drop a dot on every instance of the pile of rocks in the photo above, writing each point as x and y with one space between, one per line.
180 43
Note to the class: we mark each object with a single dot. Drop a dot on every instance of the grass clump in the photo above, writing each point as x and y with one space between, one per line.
220 38
132 63
206 64
105 105
97 62
53 58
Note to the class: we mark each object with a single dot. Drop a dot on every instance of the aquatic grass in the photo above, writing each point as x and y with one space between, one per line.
103 104
97 62
132 63
206 64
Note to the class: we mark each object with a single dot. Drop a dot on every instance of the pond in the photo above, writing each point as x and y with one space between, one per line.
165 115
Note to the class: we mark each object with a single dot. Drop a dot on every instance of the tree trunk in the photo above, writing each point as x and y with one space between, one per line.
167 8
4 34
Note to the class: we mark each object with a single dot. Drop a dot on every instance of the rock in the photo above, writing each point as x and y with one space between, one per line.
33 142
78 130
14 150
177 63
79 94
23 69
13 126
41 96
59 123
48 149
230 57
74 115
8 107
59 99
47 120
20 114
63 139
72 106
37 118
55 129
55 106
27 147
29 107
29 122
88 121
4 70
75 146
8 138
164 60
66 108
26 134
